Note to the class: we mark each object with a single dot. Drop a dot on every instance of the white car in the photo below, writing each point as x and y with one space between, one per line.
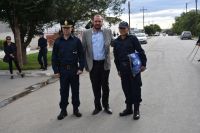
141 37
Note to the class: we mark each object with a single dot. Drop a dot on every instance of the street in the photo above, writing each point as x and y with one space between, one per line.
170 92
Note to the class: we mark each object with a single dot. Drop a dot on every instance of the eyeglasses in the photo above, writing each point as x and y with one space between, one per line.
8 39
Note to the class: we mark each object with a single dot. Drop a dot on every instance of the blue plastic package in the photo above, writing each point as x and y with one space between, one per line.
135 63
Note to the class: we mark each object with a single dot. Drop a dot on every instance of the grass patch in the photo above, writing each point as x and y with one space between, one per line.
32 62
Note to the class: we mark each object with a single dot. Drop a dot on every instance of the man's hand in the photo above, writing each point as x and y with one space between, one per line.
143 68
57 75
79 72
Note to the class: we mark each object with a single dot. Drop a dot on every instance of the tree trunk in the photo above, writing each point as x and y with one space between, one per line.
24 56
18 41
26 39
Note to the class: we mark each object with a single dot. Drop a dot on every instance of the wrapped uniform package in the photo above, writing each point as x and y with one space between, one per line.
135 63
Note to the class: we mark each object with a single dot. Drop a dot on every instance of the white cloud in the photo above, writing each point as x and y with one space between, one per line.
164 18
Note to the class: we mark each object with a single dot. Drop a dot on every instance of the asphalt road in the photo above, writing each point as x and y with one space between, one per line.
171 95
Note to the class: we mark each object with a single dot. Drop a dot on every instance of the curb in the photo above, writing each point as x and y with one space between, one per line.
28 74
27 91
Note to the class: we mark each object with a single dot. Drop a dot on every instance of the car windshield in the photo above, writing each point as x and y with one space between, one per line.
186 32
140 35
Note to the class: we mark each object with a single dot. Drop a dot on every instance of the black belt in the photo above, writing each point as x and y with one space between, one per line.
68 66
98 61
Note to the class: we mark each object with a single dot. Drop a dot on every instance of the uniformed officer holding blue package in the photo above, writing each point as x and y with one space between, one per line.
68 64
125 45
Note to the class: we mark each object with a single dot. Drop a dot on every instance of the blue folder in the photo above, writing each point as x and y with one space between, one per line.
135 63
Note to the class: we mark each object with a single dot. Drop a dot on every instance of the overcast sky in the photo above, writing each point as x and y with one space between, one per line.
160 12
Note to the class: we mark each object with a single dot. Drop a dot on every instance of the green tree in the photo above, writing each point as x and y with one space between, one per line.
26 18
152 29
83 10
189 21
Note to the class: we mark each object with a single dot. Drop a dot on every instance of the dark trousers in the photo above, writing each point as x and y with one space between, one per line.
69 78
16 64
131 86
42 58
99 79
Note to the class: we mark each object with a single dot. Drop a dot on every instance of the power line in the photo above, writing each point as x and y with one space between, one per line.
143 10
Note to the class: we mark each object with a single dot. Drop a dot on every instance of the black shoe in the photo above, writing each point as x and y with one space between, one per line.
108 110
41 67
136 115
44 69
96 111
11 77
77 113
22 75
126 112
62 115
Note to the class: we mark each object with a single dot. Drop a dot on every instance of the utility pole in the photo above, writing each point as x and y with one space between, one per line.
196 1
143 10
129 14
186 7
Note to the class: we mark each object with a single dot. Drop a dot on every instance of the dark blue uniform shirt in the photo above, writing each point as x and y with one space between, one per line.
67 52
10 49
124 47
42 43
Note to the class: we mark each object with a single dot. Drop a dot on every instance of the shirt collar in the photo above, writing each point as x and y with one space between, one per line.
93 31
70 37
119 37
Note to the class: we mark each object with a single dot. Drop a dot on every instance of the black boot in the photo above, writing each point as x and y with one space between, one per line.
44 69
136 115
127 111
77 113
41 67
22 75
11 77
62 115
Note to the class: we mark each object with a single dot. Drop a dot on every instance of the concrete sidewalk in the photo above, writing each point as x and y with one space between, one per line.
11 89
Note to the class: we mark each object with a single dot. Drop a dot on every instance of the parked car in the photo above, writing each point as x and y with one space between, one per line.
141 37
164 34
186 35
157 34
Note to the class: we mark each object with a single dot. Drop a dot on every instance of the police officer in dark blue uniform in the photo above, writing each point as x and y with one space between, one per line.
198 43
42 56
124 45
10 50
68 64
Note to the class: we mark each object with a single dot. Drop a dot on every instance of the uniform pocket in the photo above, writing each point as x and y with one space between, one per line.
138 80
